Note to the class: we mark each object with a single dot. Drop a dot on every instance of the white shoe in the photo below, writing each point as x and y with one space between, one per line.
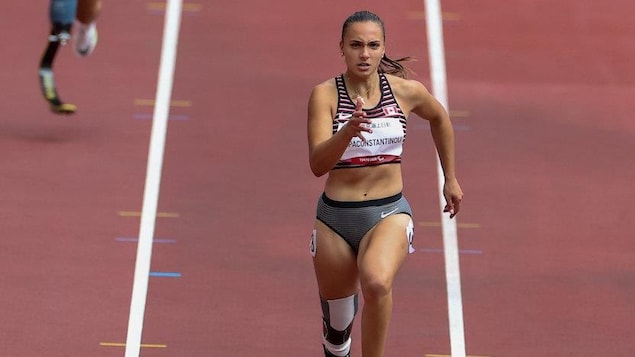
86 39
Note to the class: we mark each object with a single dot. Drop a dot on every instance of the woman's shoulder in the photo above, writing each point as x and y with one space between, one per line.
327 84
325 89
323 98
404 86
410 93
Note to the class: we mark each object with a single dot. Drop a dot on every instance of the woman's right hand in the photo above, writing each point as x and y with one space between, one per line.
358 123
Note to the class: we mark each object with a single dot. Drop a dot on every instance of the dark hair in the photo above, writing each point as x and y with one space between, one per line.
387 65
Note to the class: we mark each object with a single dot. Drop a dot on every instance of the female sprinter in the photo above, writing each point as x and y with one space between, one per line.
364 229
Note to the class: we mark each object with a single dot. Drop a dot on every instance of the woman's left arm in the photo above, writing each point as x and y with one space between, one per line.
423 103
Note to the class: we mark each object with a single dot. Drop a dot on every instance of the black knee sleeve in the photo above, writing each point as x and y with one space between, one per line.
338 316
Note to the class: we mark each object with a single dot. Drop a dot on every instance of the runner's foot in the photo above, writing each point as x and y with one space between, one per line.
86 39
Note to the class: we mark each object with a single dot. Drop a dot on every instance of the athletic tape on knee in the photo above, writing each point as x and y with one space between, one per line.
410 235
313 244
338 317
63 11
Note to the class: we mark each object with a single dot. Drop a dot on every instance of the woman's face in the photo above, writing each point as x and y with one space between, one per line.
363 47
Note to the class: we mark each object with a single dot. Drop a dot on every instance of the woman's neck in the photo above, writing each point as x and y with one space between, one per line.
367 88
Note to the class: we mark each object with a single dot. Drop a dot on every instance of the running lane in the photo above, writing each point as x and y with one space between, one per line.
546 161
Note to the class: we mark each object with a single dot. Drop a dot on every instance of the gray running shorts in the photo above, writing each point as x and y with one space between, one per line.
352 220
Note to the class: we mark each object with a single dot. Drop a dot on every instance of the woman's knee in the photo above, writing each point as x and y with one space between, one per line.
375 285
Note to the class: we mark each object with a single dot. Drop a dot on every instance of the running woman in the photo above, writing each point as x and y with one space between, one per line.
364 228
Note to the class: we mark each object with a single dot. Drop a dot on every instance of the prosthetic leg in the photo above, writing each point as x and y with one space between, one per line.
62 14
338 316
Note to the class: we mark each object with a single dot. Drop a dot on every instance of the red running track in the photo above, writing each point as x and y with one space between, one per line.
540 92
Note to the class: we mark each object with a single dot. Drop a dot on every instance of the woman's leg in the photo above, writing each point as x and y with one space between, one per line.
88 11
335 266
381 254
86 35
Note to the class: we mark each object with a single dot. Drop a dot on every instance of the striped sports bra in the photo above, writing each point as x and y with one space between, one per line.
385 144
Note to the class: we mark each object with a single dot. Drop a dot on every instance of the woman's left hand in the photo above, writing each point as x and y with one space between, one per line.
453 197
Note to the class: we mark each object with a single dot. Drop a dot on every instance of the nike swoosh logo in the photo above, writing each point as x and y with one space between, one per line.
386 214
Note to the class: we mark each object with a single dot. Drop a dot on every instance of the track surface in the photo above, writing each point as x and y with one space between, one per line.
541 95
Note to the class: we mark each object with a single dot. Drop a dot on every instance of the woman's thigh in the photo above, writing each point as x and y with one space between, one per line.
334 262
385 248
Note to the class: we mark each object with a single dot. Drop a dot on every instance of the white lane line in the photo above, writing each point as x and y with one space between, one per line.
153 176
450 241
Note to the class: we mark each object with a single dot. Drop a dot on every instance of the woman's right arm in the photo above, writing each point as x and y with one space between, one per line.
326 148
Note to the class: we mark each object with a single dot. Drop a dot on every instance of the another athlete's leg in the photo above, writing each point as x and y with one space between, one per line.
86 39
381 254
62 14
336 272
88 11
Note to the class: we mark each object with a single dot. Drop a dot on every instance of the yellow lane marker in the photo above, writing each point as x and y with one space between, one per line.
421 15
120 344
174 103
438 224
187 7
459 113
138 214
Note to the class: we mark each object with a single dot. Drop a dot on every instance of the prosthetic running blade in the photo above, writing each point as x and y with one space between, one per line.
47 78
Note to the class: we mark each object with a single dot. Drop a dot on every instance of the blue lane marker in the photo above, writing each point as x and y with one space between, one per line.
461 251
165 274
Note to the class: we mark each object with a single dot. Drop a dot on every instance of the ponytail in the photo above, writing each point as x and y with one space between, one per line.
394 67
